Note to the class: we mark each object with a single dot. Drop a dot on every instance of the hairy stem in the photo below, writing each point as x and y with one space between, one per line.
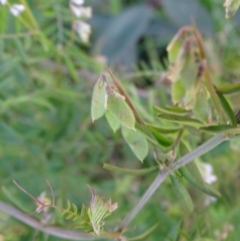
202 149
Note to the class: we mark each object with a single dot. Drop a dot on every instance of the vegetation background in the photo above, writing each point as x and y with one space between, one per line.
47 74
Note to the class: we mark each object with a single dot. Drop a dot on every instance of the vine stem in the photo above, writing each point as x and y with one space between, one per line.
55 231
199 151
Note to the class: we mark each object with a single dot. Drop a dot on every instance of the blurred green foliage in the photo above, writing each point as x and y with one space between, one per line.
46 79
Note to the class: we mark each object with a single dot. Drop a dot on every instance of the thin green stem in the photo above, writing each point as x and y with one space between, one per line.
199 151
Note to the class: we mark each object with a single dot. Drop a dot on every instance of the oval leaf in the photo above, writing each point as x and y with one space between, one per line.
121 111
112 121
98 99
136 141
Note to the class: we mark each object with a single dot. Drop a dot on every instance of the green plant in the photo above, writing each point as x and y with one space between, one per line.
164 135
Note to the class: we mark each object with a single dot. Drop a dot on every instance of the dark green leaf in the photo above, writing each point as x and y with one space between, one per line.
162 129
227 108
123 32
163 141
183 12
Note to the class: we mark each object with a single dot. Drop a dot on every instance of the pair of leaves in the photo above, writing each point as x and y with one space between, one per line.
105 97
108 100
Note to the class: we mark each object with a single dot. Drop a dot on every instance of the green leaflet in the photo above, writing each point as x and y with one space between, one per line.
98 99
174 47
174 110
181 120
112 121
133 172
189 72
193 175
182 193
136 141
121 111
225 129
163 141
228 110
178 92
144 235
162 129
233 88
202 109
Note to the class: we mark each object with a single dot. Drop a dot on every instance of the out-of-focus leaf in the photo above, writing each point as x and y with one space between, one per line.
136 141
182 193
144 235
233 88
227 108
8 66
181 120
7 134
26 99
225 129
121 111
190 69
133 172
112 121
171 110
123 32
231 7
191 173
202 109
183 12
162 129
174 48
21 52
178 92
98 99
204 239
163 141
161 28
